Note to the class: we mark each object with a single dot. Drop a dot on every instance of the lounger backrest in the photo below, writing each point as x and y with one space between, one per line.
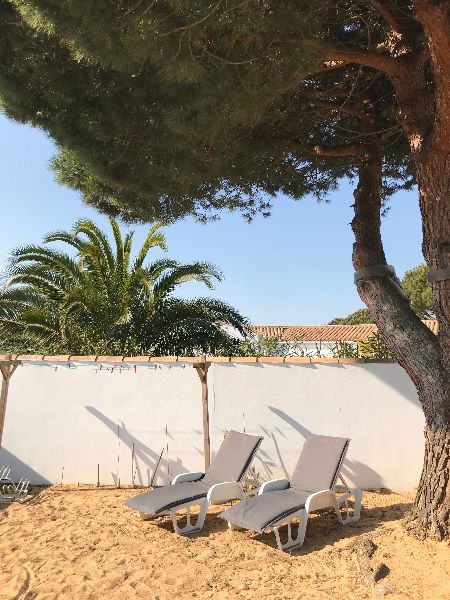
319 463
233 458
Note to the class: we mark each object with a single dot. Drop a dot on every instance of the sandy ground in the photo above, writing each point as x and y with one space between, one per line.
83 544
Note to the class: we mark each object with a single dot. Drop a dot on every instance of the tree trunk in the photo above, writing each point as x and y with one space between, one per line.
417 349
433 174
430 516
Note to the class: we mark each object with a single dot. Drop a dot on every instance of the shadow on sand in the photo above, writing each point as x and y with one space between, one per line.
323 529
33 497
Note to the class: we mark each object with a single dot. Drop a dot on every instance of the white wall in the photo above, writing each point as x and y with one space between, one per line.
80 417
374 404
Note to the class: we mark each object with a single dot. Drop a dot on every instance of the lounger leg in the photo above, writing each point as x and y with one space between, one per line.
22 488
190 527
345 514
8 492
292 542
5 493
147 516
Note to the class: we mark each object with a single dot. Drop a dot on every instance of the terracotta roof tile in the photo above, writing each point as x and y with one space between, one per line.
324 333
269 330
433 325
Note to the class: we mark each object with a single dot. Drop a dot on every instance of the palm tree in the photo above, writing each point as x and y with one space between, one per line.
103 302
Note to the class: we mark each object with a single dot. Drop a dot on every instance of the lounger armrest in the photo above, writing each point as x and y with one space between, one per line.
183 477
322 499
273 485
225 492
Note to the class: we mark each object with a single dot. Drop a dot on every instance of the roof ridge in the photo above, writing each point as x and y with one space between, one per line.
326 333
333 325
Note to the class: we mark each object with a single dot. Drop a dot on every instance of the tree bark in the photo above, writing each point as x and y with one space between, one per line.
430 516
424 357
433 174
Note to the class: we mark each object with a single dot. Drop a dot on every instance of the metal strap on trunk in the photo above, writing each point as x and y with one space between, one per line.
381 271
439 275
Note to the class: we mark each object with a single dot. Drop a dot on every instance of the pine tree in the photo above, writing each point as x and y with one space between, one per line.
164 109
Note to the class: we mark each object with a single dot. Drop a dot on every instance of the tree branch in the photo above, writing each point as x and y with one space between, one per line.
354 112
345 150
368 59
416 348
387 13
191 25
435 18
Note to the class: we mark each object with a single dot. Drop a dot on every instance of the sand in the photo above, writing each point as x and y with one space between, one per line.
83 544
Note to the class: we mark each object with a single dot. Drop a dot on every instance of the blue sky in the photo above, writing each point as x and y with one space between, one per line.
293 268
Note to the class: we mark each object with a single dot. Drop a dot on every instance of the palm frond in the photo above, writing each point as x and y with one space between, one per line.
154 239
97 237
63 236
201 272
55 260
96 303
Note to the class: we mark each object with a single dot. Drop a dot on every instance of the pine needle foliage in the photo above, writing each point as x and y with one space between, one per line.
176 107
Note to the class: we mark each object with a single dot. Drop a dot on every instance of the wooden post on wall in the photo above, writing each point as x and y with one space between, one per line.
7 368
202 371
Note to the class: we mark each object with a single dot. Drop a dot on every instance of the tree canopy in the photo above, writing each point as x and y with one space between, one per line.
362 315
416 285
103 302
175 108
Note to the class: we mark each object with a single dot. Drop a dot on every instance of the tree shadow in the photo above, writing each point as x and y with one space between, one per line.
148 457
324 528
21 469
403 385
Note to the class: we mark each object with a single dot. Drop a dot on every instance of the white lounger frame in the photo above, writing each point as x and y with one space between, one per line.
316 501
219 493
9 491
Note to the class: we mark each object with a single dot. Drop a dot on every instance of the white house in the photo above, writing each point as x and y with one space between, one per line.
320 340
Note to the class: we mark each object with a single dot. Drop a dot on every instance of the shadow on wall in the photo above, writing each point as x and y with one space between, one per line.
396 378
144 455
20 469
358 473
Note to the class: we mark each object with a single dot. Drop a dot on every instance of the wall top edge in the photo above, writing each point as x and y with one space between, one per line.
190 359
